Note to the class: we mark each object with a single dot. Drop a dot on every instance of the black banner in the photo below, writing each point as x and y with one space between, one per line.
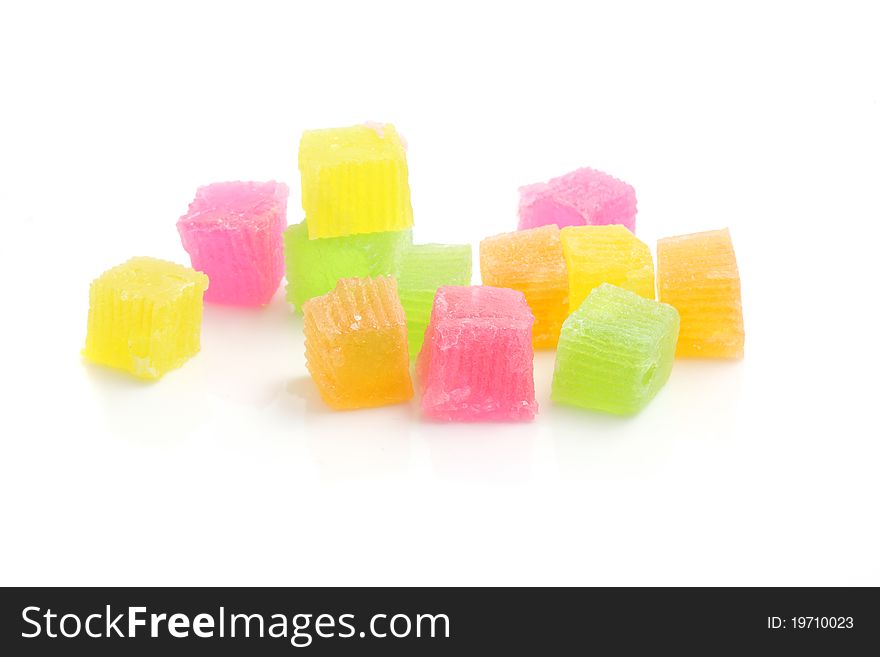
244 621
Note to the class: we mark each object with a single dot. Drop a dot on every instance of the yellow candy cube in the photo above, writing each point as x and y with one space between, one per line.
145 317
606 254
354 180
697 274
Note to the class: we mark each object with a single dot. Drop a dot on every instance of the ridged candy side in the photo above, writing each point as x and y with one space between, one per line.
698 275
314 266
615 352
354 180
424 268
606 254
356 344
145 317
531 261
477 359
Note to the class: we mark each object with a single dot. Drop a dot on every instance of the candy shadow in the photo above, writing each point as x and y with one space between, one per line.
357 444
593 445
491 452
155 413
480 452
709 394
304 397
104 376
697 405
247 353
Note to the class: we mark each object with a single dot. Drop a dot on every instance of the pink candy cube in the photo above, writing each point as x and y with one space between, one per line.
585 197
233 233
476 362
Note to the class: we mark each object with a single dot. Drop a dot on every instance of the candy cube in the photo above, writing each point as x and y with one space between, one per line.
476 362
606 254
314 266
232 232
145 317
424 268
354 180
615 352
585 197
698 275
356 348
532 262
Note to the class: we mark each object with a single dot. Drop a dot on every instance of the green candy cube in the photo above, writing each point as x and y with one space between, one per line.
424 268
615 351
314 266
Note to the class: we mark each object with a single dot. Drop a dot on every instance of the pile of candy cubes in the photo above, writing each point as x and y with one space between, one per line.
386 320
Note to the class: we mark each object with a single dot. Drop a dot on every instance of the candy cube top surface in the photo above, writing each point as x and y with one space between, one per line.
145 317
428 266
233 233
231 205
481 305
698 275
476 362
606 254
354 180
356 347
615 352
358 305
424 268
531 261
584 197
314 266
155 281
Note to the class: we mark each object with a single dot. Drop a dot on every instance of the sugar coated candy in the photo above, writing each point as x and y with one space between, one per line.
145 317
233 233
532 262
424 268
354 180
606 254
615 352
356 348
476 362
698 275
314 266
585 197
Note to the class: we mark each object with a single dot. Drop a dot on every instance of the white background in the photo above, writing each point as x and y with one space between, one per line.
758 116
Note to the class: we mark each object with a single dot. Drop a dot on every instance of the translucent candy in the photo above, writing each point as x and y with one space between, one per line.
606 254
585 197
424 268
145 317
354 180
232 232
698 275
532 262
476 362
615 352
315 266
356 348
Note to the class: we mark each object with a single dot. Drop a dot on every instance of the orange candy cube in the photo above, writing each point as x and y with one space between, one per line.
531 261
697 274
356 344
